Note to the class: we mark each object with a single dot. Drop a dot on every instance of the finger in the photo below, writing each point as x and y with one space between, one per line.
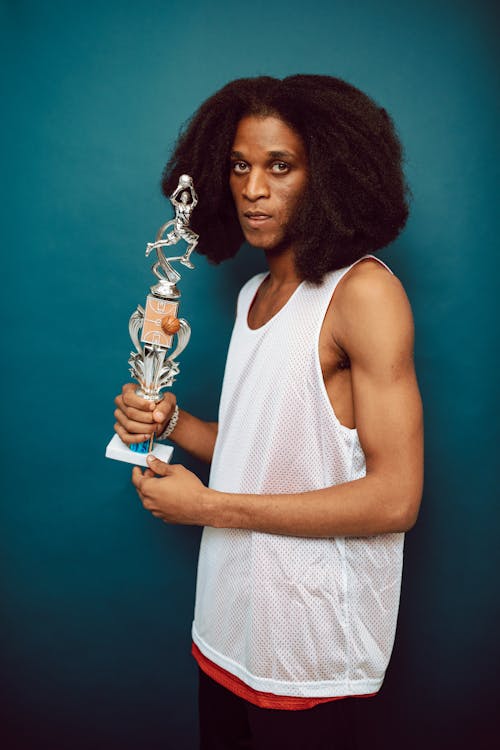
141 410
159 467
127 437
133 427
130 398
139 416
132 413
137 478
165 408
140 482
161 416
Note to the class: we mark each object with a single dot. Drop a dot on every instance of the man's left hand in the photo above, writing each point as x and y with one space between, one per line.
170 492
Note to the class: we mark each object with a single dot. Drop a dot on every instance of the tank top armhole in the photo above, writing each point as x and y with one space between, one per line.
336 278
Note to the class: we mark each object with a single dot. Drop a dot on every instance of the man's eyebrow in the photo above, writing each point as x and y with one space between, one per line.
280 154
272 155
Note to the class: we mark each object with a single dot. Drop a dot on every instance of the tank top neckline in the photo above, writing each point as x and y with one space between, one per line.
276 315
260 278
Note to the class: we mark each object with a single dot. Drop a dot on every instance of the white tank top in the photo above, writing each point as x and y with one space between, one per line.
290 615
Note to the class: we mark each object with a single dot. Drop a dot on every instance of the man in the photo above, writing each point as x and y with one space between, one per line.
317 458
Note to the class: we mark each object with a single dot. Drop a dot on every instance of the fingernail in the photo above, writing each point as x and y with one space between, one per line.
158 416
150 458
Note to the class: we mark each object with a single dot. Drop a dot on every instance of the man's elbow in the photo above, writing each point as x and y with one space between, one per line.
406 509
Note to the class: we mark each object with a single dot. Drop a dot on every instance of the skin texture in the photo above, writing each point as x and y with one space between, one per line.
366 355
268 175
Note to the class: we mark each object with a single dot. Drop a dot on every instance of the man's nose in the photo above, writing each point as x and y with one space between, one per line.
256 185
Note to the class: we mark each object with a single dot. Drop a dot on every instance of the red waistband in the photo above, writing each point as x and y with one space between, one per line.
258 698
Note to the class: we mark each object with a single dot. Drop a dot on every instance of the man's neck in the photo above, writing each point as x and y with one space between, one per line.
276 290
282 270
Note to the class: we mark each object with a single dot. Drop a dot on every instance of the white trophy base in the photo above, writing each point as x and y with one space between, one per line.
120 452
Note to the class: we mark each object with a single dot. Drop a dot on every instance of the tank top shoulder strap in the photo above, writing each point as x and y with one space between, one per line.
247 293
337 276
373 257
319 298
342 271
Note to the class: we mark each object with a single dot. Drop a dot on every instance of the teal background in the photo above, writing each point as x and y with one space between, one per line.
96 594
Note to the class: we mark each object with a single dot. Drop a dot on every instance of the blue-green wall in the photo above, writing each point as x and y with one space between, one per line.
97 595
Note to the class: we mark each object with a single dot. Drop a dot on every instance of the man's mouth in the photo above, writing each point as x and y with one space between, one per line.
255 218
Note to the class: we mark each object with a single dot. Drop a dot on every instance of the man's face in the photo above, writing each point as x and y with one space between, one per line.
268 176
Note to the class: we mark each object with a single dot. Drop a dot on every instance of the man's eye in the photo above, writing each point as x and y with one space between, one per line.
239 167
280 167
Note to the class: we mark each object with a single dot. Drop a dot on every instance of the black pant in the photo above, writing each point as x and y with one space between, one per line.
228 722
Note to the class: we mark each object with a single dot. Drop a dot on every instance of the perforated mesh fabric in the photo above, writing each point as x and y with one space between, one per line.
290 615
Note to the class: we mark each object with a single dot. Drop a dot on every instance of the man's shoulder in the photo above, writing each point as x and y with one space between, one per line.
369 283
369 298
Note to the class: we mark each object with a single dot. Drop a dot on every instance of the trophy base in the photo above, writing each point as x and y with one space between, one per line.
117 450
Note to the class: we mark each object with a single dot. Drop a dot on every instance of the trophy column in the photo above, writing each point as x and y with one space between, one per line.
153 328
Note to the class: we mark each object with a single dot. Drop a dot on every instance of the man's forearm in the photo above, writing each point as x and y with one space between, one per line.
363 507
195 436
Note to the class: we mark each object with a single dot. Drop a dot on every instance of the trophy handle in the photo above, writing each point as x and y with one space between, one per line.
183 336
134 326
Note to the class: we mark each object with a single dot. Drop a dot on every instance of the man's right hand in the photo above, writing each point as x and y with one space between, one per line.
137 417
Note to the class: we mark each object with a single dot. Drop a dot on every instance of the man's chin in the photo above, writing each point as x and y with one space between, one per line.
272 249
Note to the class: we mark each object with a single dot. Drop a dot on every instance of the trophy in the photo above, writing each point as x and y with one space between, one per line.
153 328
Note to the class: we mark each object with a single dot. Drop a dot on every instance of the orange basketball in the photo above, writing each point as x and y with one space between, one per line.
170 325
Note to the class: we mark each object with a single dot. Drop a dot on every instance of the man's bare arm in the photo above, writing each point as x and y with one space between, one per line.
375 328
195 435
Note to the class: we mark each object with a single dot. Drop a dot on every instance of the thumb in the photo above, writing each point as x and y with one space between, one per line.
159 467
